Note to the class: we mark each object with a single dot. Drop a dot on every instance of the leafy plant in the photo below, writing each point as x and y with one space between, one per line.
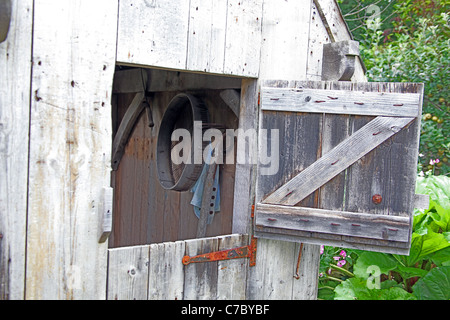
409 42
423 274
434 286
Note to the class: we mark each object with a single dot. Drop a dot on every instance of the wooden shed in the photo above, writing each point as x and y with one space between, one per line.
315 154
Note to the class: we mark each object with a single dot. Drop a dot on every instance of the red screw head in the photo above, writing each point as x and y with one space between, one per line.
377 199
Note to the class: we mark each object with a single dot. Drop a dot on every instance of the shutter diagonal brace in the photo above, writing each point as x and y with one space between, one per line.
338 159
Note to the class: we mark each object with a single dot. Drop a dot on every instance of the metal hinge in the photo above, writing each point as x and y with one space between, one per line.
235 253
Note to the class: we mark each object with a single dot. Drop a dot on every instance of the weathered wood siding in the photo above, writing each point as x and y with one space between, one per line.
200 35
70 147
55 127
15 68
270 280
155 272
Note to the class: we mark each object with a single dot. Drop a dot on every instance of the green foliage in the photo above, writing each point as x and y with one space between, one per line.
409 42
434 286
423 274
357 289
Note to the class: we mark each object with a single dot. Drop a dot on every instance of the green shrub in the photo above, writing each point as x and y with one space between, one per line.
410 42
423 274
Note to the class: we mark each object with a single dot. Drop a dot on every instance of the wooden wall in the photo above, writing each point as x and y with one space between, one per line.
55 124
69 147
272 277
198 35
15 68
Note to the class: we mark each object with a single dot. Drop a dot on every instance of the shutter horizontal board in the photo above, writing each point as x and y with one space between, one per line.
341 102
372 226
332 163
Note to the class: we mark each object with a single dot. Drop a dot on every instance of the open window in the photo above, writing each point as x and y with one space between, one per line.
347 164
155 199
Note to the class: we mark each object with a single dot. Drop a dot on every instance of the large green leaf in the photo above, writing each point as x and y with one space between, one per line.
357 289
434 286
437 187
367 259
424 245
441 257
440 216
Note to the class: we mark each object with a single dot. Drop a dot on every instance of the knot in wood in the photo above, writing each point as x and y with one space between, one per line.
132 271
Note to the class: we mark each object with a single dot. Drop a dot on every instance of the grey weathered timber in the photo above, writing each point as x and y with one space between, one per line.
128 273
15 66
157 80
339 60
371 226
336 26
126 127
201 278
335 161
233 99
73 58
200 35
312 238
166 272
244 186
334 130
378 182
232 274
390 170
156 271
273 275
340 102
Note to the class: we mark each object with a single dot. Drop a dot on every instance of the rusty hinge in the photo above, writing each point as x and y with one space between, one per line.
235 253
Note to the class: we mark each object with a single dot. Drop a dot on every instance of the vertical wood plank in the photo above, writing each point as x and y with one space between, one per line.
15 66
243 27
128 273
196 35
304 287
272 277
206 38
334 21
318 36
153 32
404 155
367 171
166 271
155 231
232 274
200 279
284 35
244 186
335 130
70 145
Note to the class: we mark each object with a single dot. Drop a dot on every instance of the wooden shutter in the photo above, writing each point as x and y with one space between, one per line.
347 167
